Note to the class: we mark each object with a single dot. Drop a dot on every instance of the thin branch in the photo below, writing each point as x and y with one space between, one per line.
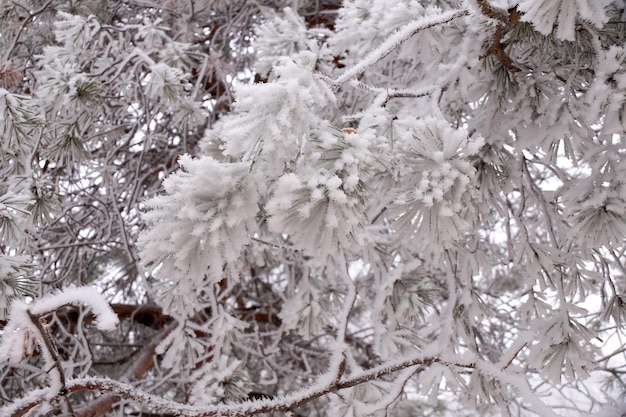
497 50
505 19
137 370
327 383
396 40
493 12
385 94
54 356
31 16
395 391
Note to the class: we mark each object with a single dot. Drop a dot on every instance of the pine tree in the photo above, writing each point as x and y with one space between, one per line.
319 208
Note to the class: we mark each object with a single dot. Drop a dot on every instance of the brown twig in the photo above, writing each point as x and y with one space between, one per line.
505 18
54 355
497 49
493 12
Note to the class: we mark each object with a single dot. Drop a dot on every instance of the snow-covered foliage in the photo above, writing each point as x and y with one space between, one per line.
564 14
321 208
22 333
215 206
221 380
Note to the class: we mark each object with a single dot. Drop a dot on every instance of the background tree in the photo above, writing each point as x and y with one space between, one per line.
382 208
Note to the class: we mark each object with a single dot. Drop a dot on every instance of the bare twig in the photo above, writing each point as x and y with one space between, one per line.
31 16
53 354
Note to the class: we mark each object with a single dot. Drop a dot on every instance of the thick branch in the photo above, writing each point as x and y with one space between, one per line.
148 315
497 50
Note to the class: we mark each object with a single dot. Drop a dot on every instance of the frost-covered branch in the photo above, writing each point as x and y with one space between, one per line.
137 370
397 39
26 327
327 383
384 94
491 11
19 331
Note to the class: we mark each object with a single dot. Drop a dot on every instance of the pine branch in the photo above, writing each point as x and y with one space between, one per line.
31 16
497 49
396 40
505 19
250 408
493 12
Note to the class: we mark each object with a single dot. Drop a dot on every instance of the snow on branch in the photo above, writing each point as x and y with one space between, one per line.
519 383
491 11
397 39
22 328
384 94
329 382
106 319
26 328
